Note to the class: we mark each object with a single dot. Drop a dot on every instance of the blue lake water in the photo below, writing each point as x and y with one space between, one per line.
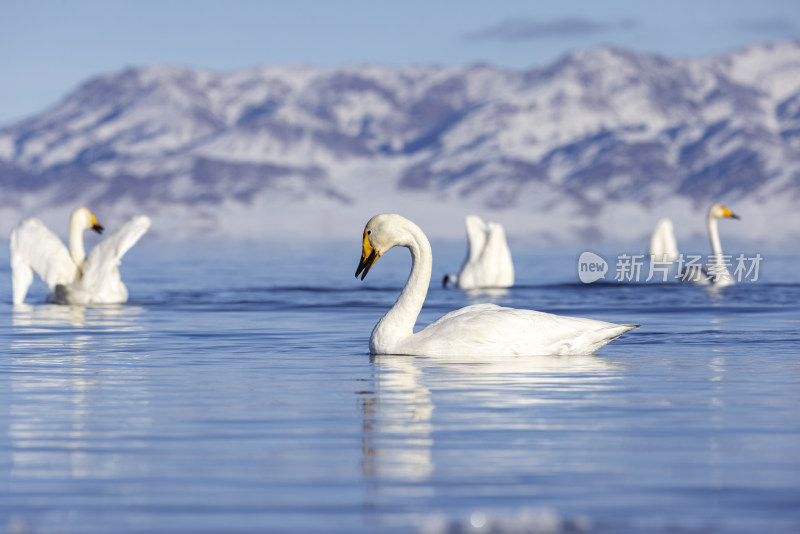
235 393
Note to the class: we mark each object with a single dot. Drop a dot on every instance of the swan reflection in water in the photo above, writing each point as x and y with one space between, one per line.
480 395
27 318
65 356
70 331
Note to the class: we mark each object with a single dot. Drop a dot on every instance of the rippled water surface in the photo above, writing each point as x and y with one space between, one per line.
234 393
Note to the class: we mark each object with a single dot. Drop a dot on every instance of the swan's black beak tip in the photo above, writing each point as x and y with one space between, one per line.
362 267
366 264
97 228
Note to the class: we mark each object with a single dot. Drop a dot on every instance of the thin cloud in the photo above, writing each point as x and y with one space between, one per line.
521 29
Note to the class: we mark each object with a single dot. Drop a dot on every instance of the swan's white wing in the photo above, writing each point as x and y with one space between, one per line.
462 311
477 232
34 247
471 275
492 265
101 277
487 329
663 245
496 259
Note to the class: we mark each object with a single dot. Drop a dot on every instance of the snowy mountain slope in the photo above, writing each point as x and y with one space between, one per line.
599 144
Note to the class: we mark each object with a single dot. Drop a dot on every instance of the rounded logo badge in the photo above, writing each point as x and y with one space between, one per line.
591 267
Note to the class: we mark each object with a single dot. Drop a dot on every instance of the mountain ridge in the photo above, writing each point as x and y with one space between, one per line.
596 145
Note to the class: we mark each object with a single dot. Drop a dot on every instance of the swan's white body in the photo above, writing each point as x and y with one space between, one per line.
72 277
716 273
663 246
480 330
488 263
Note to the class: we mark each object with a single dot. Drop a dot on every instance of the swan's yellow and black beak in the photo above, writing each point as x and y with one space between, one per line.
368 256
96 225
728 213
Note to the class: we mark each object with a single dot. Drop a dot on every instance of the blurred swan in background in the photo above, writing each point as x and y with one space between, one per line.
716 273
663 246
488 263
477 330
72 277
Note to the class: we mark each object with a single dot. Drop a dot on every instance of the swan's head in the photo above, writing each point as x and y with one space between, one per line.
381 233
718 211
85 220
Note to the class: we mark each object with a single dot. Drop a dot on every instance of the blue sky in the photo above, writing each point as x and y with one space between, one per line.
48 47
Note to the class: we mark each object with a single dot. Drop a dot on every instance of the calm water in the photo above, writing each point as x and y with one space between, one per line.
234 393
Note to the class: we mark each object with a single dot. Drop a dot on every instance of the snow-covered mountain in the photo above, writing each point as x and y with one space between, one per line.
598 145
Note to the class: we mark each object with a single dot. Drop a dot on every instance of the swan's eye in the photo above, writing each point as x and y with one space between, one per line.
369 232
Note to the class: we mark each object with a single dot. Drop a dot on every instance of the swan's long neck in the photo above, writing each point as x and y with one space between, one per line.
76 249
713 234
399 321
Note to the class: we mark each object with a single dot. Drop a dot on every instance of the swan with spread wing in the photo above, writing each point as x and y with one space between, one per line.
72 277
482 330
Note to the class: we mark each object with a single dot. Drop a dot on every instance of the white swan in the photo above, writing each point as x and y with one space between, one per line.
488 263
663 246
72 278
478 330
716 273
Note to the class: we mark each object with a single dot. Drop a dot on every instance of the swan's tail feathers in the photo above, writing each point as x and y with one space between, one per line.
617 330
598 338
628 328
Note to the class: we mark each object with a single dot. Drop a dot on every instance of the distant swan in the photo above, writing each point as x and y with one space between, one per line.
663 246
478 330
488 263
716 274
72 278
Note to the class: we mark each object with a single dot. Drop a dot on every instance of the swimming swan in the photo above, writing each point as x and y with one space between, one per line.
715 274
477 330
72 277
488 262
663 246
